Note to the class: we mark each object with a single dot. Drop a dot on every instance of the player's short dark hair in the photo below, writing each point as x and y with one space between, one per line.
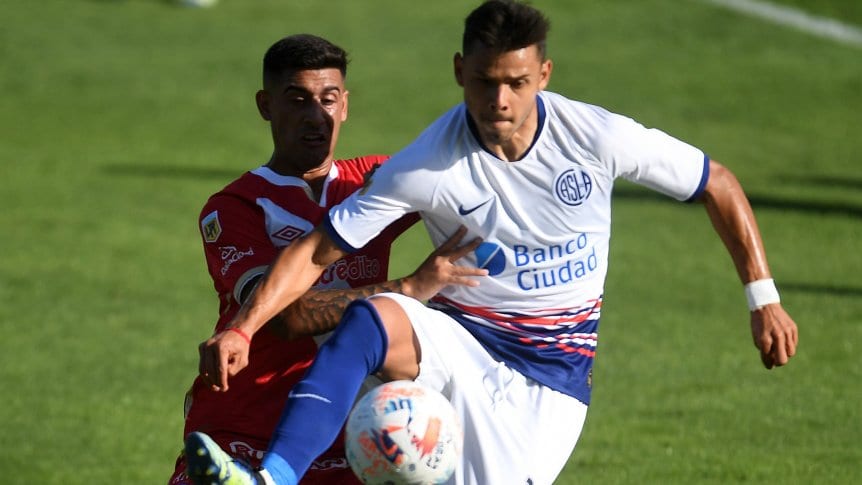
505 25
302 52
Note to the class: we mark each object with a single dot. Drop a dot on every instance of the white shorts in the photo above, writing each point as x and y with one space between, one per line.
516 431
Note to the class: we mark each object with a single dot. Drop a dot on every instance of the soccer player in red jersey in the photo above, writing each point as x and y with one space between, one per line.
246 224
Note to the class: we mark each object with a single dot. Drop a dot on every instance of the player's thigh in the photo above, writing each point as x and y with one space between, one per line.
438 340
554 426
402 352
515 430
521 432
458 366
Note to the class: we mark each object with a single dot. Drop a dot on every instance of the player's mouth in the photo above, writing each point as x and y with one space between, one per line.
497 122
314 139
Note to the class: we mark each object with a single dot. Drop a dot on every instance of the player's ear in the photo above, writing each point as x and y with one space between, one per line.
545 74
344 107
262 100
457 64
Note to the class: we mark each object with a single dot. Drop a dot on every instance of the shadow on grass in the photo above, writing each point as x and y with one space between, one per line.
171 172
759 202
827 289
173 3
828 181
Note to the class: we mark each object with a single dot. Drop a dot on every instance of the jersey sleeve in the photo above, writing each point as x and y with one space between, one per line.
403 185
652 158
236 248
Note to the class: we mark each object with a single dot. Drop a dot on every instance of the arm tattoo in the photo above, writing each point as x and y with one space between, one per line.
319 311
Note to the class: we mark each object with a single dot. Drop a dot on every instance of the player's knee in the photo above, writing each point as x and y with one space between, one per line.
403 354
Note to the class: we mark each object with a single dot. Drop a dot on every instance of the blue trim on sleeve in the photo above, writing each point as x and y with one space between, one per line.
703 179
330 229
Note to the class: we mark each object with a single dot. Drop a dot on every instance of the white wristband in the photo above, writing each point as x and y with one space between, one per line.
761 293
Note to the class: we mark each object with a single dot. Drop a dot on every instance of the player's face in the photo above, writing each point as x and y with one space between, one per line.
500 94
305 110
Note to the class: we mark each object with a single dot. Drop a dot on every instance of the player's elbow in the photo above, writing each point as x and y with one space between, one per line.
326 251
722 183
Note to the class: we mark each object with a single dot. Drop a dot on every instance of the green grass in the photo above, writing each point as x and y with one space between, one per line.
119 118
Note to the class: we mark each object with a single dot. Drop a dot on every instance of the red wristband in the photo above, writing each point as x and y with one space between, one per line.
241 334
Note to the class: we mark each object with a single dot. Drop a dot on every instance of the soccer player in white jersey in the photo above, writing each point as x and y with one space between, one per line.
531 173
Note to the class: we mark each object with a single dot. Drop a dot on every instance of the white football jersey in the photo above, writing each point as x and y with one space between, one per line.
545 221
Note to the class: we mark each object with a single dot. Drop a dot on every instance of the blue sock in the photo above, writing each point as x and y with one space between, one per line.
318 405
279 470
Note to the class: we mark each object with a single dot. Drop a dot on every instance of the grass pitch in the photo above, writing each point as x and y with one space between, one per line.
119 118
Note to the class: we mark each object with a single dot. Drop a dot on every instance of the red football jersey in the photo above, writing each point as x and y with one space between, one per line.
243 227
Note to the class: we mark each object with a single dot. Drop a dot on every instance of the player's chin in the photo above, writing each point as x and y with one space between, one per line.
496 134
316 148
312 156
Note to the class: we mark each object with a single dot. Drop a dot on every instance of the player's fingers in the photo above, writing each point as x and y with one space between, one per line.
207 364
223 369
767 360
790 341
460 271
237 363
466 249
201 357
453 240
779 349
464 281
764 344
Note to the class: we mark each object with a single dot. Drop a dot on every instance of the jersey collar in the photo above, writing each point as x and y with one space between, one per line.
540 125
274 178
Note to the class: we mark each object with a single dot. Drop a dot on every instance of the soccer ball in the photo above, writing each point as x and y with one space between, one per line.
403 433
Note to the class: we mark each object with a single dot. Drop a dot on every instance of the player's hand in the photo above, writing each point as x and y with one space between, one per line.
222 356
438 270
775 335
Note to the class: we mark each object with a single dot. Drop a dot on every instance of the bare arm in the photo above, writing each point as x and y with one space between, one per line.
292 273
295 270
319 311
774 332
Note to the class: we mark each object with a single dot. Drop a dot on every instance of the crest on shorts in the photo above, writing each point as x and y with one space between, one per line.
211 227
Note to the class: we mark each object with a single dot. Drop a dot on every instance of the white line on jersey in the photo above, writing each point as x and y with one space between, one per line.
791 17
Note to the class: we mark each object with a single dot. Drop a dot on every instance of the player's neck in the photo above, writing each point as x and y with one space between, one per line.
515 147
314 177
509 151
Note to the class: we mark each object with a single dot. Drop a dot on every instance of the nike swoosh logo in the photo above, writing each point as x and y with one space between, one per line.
464 212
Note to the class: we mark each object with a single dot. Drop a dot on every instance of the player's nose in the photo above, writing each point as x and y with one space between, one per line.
316 115
499 98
